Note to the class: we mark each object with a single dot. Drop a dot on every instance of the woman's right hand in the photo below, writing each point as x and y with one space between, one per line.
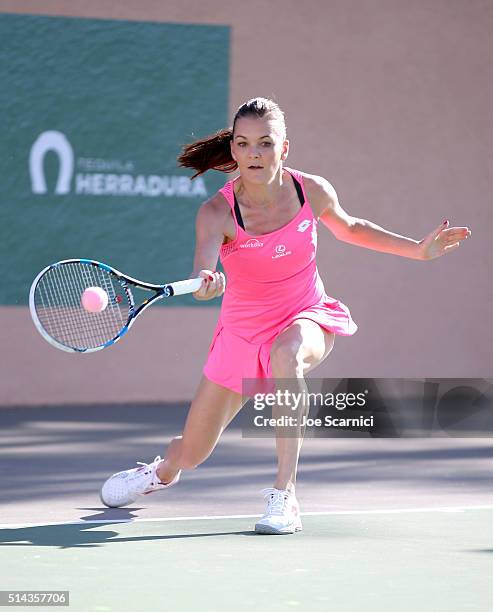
213 285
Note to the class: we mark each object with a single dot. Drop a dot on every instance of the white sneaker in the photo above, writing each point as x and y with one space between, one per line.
282 515
123 488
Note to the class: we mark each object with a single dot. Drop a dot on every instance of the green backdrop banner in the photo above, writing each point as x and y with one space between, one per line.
94 115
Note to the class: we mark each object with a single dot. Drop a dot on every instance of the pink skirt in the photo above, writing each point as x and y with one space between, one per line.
232 358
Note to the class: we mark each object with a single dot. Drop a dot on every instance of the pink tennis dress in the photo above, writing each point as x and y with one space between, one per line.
272 280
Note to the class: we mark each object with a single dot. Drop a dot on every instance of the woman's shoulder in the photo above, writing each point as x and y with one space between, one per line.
312 181
215 215
318 191
216 206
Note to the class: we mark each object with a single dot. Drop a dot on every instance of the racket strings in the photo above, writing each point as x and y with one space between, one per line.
54 303
95 277
58 305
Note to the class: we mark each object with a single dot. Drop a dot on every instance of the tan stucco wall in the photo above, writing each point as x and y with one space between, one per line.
391 100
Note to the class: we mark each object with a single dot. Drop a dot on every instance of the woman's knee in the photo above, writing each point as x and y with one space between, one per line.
286 358
300 348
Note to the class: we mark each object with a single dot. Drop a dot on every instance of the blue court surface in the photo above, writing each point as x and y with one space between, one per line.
388 524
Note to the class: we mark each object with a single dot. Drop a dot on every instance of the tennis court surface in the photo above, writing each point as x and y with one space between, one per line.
400 524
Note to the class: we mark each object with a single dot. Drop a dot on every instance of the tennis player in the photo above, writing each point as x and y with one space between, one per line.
276 320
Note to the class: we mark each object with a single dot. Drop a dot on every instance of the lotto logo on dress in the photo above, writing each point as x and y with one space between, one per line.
253 243
280 250
304 225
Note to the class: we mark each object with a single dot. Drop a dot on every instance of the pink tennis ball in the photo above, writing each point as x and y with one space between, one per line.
94 299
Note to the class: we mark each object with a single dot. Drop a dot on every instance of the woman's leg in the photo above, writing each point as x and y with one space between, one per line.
211 411
297 350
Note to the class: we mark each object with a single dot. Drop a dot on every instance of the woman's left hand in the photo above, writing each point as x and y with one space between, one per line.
442 240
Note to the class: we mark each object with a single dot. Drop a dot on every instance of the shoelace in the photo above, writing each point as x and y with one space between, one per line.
278 500
152 466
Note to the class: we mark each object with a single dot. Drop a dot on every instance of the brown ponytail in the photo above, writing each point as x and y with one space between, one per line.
214 152
211 153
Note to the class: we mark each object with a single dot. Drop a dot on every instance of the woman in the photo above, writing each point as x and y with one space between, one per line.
276 321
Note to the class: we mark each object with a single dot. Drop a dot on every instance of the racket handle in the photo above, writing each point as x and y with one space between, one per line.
185 286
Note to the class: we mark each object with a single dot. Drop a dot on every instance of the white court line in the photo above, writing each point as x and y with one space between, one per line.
241 516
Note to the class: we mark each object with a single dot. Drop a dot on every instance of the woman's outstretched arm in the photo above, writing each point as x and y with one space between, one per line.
367 234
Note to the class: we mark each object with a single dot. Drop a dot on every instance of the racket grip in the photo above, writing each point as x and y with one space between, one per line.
185 286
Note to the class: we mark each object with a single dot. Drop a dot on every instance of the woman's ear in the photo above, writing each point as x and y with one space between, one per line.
285 150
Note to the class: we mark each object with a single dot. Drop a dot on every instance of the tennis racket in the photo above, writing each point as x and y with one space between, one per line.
56 304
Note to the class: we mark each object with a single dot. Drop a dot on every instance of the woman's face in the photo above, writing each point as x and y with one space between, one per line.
258 147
